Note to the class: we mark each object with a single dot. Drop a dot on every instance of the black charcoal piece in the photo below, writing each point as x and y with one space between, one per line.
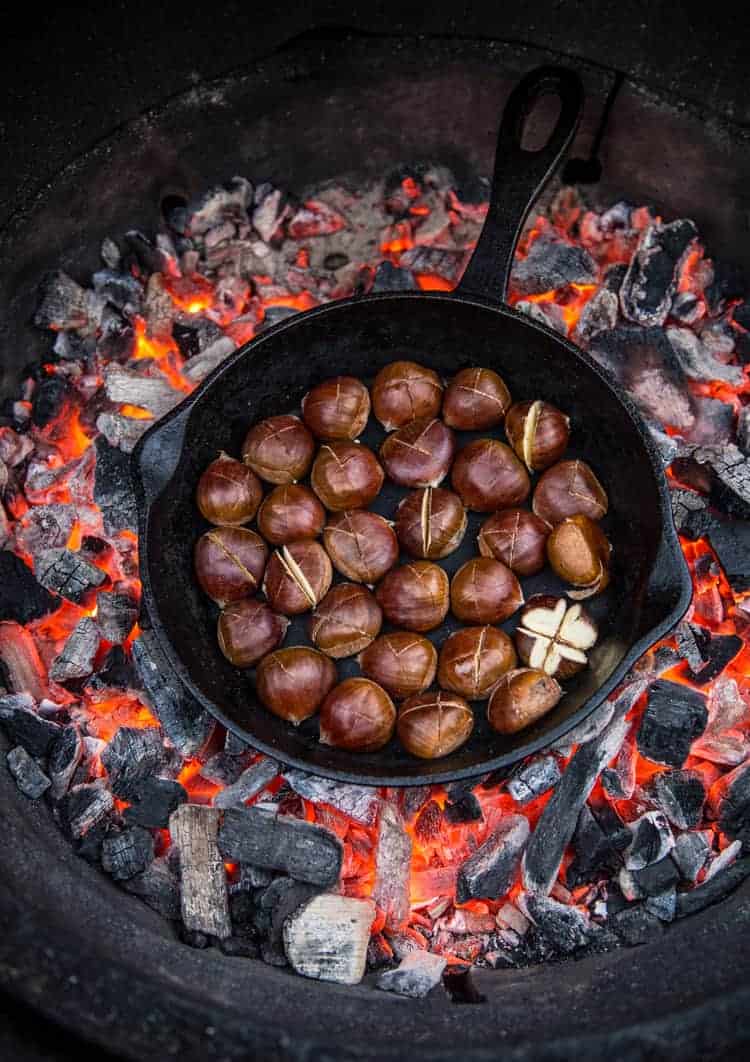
242 907
491 870
113 489
119 289
730 540
692 644
128 853
158 887
76 660
691 853
698 363
116 670
224 768
533 778
687 506
155 801
652 839
131 757
722 648
663 905
675 716
593 850
562 927
24 727
116 613
301 849
551 264
252 781
650 282
65 754
22 597
67 573
681 796
636 925
62 303
415 976
85 806
50 394
389 278
28 775
447 264
654 879
356 801
463 807
713 890
379 953
599 315
275 905
730 492
734 804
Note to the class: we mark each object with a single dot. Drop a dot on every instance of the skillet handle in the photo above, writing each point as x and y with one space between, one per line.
519 176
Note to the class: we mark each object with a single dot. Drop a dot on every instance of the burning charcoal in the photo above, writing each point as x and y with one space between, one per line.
358 802
115 616
379 953
67 573
85 806
392 867
546 313
692 644
269 214
157 799
686 504
652 840
275 906
230 201
415 976
115 670
20 663
593 849
149 392
730 748
390 278
650 282
463 922
697 363
618 780
65 754
491 870
636 925
724 859
314 218
551 264
675 716
110 253
654 879
681 796
121 431
149 257
691 853
687 308
731 486
462 806
224 769
598 315
667 446
119 289
327 938
128 853
24 727
301 849
714 422
158 887
130 758
533 778
413 798
252 781
729 800
590 728
14 448
64 305
663 905
713 890
197 368
203 892
113 491
726 706
50 395
447 264
77 657
509 917
28 775
44 527
743 430
562 927
730 540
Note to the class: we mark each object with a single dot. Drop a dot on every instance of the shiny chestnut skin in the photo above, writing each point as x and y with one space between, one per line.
415 596
346 620
298 576
567 488
401 662
361 545
229 492
487 476
520 698
484 590
538 432
357 715
404 391
475 399
419 454
290 513
279 449
229 563
248 629
431 725
579 551
473 660
516 537
346 475
431 523
337 409
292 683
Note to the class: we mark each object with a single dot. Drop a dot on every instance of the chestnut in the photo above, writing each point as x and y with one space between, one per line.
434 724
345 621
337 409
229 563
475 399
419 454
538 432
290 513
298 576
279 449
554 636
579 551
431 522
516 537
248 629
520 698
487 475
403 663
362 545
292 683
229 492
346 476
567 488
415 596
357 715
473 660
484 590
405 391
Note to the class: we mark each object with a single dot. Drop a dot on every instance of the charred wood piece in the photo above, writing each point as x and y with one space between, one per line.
552 264
462 806
113 491
68 574
76 660
415 976
20 663
561 926
358 802
651 280
730 540
691 853
730 802
681 796
491 870
65 755
64 305
203 894
392 867
157 798
301 849
652 840
533 778
84 807
715 889
158 887
327 938
28 775
698 363
130 758
675 716
121 431
115 616
24 727
257 777
128 853
133 388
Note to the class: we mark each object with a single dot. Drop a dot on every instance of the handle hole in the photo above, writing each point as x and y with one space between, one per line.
540 122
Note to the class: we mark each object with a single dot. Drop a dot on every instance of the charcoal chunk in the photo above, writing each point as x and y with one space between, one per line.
24 727
713 890
491 870
252 781
116 613
65 755
692 644
691 853
130 758
22 597
50 394
358 802
720 650
113 488
76 660
464 807
651 280
415 976
593 849
156 799
675 716
128 853
327 938
681 796
68 574
62 303
392 866
652 839
655 878
663 904
533 778
84 807
301 849
734 804
389 278
551 264
730 540
28 775
158 887
562 927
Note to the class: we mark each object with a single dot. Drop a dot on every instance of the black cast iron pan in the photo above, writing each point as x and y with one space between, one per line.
650 588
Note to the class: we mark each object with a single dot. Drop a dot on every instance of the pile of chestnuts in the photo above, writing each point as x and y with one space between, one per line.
374 587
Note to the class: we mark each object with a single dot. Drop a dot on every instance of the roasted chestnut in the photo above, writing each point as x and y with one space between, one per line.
298 576
538 432
475 399
419 454
357 715
404 391
292 683
484 590
337 409
434 724
487 475
361 544
401 662
279 449
520 698
473 660
346 620
229 563
248 629
290 513
229 492
568 488
516 537
415 596
579 551
346 476
554 636
431 523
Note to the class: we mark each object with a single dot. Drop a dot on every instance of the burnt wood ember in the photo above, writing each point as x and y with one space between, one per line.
128 853
533 778
552 264
158 887
24 727
730 801
301 849
681 796
654 879
356 801
686 504
731 468
84 807
663 905
696 362
675 716
21 666
116 615
390 278
113 491
67 573
652 840
156 799
252 781
618 780
327 938
133 388
586 730
651 280
462 806
28 775
44 527
713 890
64 305
691 853
415 976
203 892
599 315
561 927
593 850
392 867
692 645
491 870
116 671
122 431
65 754
447 264
76 660
743 430
730 541
413 798
49 398
274 906
224 768
130 758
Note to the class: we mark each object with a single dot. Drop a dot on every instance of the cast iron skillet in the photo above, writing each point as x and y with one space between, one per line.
650 587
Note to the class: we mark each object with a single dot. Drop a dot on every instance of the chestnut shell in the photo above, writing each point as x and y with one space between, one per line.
290 513
475 399
228 492
361 545
346 620
419 454
538 432
279 449
248 629
487 476
357 715
485 590
520 698
346 475
579 551
402 662
431 725
229 563
337 409
404 391
431 523
473 660
567 488
516 537
415 596
298 576
292 683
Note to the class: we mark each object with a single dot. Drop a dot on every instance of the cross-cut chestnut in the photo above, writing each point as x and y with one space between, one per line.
475 399
337 409
520 698
346 620
538 432
290 513
229 563
419 454
487 475
579 551
567 488
357 715
361 544
248 629
229 492
292 683
404 391
346 475
403 663
516 537
298 576
473 660
279 449
431 523
485 590
431 725
415 596
555 637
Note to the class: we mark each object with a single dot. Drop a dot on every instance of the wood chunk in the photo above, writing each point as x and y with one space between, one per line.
24 669
76 660
392 867
552 264
28 775
153 393
681 796
130 758
113 488
563 927
65 755
85 806
533 778
116 613
203 894
301 849
675 716
62 303
121 431
731 468
691 853
358 802
651 279
67 573
24 727
252 781
491 870
327 938
158 887
128 853
415 976
156 800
